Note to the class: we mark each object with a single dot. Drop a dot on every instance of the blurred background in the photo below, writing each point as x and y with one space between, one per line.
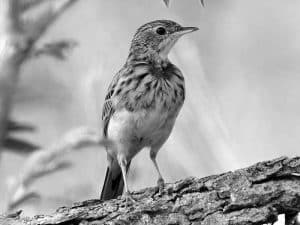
242 101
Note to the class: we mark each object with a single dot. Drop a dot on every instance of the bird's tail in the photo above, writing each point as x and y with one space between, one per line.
113 184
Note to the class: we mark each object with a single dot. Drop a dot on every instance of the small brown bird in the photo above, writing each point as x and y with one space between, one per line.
142 102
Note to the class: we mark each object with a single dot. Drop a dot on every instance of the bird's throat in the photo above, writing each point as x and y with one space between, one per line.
155 59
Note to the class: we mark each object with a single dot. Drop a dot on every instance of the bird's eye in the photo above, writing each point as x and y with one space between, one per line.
161 31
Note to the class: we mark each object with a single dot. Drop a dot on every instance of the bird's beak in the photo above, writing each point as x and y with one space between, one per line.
186 30
166 45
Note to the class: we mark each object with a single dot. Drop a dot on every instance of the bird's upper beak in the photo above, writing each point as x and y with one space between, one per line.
186 30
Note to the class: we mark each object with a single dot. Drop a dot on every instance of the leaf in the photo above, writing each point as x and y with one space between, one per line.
14 126
19 145
16 144
57 49
167 2
60 49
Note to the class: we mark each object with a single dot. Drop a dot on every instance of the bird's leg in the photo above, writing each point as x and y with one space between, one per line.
160 181
123 164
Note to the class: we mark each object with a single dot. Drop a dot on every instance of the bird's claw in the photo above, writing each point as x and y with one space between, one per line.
160 184
128 198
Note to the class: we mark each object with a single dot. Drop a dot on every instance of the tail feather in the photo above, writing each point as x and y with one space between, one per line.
113 184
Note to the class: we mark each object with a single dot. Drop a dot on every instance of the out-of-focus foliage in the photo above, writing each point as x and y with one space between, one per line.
57 49
13 143
167 2
49 160
22 24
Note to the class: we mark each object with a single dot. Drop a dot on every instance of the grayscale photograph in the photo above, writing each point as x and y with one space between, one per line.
149 112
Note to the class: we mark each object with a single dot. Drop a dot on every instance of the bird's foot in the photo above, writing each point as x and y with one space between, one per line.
160 184
129 200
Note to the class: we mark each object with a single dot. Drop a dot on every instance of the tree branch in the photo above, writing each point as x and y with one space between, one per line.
254 195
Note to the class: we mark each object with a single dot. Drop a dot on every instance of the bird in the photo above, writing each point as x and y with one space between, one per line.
142 103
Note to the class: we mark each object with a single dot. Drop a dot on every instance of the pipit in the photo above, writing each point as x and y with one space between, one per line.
142 102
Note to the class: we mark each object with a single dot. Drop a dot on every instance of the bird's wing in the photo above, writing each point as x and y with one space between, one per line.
137 70
108 107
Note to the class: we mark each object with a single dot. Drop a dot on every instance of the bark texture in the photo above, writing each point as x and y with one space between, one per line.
254 195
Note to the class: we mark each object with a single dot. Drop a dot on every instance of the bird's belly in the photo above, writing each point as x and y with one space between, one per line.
151 125
132 131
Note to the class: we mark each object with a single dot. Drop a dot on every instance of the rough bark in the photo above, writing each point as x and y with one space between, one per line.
254 195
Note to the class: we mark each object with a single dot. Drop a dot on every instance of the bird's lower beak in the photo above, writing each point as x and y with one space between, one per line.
186 30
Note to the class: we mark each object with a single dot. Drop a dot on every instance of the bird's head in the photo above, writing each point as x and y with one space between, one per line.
158 37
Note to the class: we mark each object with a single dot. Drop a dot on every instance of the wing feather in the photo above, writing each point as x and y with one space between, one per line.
109 106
